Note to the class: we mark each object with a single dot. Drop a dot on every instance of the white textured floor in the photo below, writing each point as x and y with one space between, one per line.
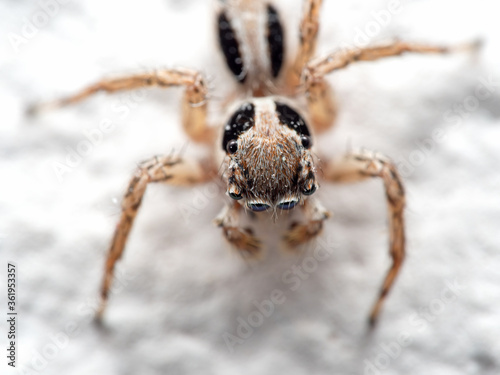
181 294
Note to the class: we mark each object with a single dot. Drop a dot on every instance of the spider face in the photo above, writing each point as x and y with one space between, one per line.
270 161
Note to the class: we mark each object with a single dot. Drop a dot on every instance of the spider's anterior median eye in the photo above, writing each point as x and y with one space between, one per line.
287 205
310 191
258 207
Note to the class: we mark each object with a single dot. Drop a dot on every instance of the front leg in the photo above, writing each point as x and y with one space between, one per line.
241 238
299 234
168 169
360 166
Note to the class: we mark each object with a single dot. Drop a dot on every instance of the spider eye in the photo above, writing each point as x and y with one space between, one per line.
232 146
287 205
241 121
306 141
310 191
258 207
235 196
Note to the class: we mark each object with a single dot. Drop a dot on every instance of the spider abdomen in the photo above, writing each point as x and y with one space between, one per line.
251 38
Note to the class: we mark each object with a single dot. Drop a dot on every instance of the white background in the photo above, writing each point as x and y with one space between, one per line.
181 286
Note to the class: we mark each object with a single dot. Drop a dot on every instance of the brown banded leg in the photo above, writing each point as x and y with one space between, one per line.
315 214
319 67
308 34
321 105
194 104
320 98
357 167
169 169
242 239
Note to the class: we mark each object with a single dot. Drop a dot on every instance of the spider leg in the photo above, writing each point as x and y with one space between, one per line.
194 103
320 98
299 234
321 104
357 167
242 239
169 169
308 33
317 68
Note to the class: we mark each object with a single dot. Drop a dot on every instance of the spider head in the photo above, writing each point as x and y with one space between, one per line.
270 161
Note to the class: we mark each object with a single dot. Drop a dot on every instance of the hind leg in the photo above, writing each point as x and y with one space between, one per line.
320 99
308 36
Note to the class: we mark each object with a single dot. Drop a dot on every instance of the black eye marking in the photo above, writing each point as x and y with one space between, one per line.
240 122
230 47
274 40
292 119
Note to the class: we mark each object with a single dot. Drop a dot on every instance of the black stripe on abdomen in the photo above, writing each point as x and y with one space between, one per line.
230 47
274 40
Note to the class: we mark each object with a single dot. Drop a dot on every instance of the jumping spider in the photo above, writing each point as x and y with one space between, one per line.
265 147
